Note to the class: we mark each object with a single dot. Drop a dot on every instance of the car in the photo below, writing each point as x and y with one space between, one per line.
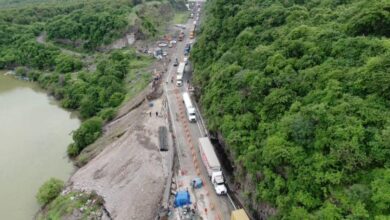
182 26
162 44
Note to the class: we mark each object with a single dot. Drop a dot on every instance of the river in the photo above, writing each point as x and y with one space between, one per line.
34 134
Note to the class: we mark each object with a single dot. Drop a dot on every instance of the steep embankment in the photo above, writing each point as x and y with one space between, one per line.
299 91
128 166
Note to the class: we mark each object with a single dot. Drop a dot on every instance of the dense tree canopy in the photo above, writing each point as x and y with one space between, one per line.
90 26
85 25
34 32
300 92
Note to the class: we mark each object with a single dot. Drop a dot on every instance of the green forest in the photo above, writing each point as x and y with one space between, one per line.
300 92
57 44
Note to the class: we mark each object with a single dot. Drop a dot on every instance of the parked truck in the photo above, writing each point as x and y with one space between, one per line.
239 214
211 162
179 79
189 107
181 36
180 73
180 69
192 31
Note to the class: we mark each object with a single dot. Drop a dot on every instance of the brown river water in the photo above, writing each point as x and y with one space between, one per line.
34 134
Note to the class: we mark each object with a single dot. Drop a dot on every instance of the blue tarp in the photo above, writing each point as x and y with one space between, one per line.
182 198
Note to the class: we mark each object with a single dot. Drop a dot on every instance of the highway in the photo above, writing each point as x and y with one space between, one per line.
187 135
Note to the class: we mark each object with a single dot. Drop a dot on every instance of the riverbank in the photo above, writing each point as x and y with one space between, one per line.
124 166
34 134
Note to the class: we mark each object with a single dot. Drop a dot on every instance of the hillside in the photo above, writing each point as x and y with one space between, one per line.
68 63
64 46
299 91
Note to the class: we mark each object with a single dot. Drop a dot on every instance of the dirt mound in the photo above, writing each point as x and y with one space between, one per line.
130 173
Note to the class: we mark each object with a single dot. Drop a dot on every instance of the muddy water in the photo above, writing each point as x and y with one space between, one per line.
34 134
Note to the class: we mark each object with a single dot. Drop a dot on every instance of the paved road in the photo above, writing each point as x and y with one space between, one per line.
223 207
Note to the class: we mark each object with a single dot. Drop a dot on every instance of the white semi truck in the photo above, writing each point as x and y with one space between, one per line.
180 73
189 107
212 165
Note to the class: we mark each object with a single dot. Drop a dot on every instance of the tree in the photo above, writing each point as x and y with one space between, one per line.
298 92
88 107
381 192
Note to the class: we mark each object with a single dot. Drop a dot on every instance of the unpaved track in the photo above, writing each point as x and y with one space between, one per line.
131 172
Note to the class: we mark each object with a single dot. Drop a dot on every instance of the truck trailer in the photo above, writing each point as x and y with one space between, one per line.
189 107
213 167
180 69
180 73
239 214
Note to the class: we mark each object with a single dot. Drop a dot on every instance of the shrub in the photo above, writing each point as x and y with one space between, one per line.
49 191
89 131
21 71
107 114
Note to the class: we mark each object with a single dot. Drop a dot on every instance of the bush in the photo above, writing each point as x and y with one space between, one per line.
66 64
73 150
89 131
21 71
49 191
107 114
34 75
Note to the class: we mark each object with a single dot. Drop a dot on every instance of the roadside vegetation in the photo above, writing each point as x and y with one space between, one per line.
181 17
299 91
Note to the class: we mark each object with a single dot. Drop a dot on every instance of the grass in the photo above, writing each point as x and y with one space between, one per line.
138 78
180 17
65 205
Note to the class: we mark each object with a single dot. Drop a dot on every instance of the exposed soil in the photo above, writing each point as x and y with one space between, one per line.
130 173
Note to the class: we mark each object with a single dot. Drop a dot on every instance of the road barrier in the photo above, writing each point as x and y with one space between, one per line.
212 205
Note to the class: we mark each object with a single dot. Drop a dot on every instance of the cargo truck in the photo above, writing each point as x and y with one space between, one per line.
179 80
213 167
189 107
180 73
181 36
239 214
180 69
